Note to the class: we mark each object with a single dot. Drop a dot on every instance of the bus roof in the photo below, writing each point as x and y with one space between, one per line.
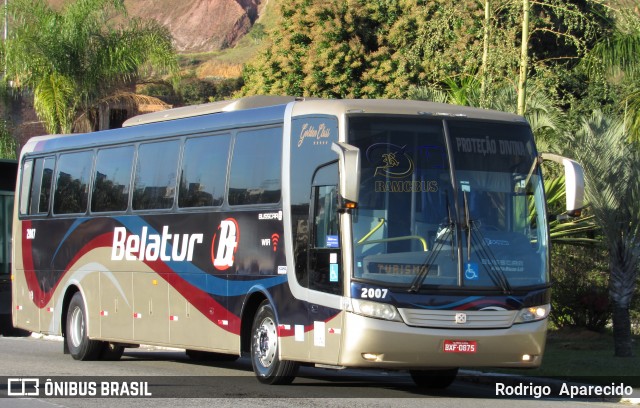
251 111
249 102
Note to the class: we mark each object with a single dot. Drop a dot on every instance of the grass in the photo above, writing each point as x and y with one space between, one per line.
228 63
585 356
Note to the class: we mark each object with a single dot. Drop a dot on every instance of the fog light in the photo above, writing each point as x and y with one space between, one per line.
372 356
526 357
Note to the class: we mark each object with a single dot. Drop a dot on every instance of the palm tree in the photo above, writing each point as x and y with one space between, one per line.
71 58
612 172
616 58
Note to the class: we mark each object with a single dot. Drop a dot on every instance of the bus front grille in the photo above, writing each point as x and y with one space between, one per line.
457 319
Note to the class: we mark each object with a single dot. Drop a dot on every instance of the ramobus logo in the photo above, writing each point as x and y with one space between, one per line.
151 247
225 244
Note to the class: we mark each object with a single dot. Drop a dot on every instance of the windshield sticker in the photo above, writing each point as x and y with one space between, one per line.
465 186
505 265
471 271
427 186
489 146
390 160
332 241
333 272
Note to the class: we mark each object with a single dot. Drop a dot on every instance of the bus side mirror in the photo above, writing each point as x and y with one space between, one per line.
349 173
574 182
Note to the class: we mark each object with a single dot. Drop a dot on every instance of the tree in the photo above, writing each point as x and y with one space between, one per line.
614 57
379 48
7 143
71 58
612 171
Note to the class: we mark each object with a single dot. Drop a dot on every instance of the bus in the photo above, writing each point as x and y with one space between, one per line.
385 234
8 171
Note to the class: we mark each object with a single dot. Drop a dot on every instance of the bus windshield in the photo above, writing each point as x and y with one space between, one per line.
454 203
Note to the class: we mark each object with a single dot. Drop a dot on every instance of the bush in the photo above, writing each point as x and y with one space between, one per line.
580 287
195 91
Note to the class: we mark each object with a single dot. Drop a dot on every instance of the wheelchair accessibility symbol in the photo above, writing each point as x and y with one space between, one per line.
471 271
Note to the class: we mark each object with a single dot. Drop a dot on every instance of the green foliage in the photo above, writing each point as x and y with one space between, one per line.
377 49
194 91
612 170
8 145
580 280
71 58
613 60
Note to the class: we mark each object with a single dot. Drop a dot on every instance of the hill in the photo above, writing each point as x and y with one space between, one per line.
198 25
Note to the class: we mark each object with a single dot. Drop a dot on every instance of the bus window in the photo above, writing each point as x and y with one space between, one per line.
255 167
203 172
111 179
72 183
40 185
25 186
155 177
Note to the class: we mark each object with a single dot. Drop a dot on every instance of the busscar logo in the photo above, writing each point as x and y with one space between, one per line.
225 244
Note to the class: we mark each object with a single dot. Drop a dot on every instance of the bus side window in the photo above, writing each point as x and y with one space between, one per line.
203 171
111 179
155 175
72 183
255 167
25 186
35 193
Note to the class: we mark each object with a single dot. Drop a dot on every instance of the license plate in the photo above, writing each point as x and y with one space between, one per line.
459 346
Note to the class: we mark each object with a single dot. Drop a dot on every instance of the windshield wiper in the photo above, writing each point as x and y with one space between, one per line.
439 243
426 266
495 272
474 235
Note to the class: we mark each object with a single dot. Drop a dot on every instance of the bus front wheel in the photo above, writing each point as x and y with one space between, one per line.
79 344
264 349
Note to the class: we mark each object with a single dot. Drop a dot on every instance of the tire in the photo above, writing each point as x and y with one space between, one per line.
203 356
264 349
111 351
80 346
434 379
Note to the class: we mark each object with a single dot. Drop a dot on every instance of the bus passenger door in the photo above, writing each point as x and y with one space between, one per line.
324 270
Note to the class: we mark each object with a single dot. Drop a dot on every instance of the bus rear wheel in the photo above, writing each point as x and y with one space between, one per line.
264 349
79 344
434 379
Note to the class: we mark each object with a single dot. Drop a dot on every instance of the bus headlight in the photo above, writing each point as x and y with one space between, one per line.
531 314
376 310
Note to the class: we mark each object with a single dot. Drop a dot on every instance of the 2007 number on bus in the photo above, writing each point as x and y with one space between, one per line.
371 293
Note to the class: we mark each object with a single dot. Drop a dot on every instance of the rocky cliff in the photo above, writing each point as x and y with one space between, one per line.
197 25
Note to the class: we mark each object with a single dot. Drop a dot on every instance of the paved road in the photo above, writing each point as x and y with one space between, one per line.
169 373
